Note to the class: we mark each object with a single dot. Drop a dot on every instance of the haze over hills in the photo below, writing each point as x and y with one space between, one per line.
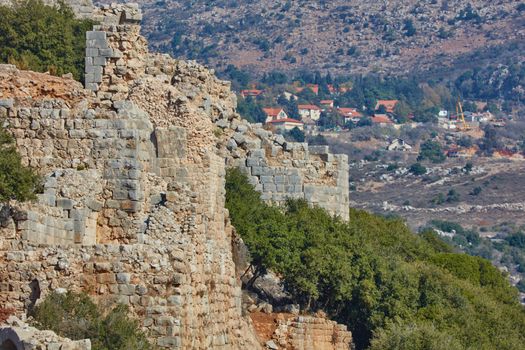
337 36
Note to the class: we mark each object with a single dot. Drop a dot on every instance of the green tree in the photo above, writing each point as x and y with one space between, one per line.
295 135
432 151
17 182
42 38
417 169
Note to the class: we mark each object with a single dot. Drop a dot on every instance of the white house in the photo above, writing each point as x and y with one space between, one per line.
398 145
274 113
286 124
309 111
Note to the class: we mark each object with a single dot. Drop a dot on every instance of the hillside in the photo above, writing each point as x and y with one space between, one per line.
338 36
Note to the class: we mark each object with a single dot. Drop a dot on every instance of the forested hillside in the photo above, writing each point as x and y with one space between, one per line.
393 289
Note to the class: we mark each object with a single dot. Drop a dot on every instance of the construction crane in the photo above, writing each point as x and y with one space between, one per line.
461 116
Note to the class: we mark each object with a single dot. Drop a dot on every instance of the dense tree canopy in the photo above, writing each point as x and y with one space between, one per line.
393 289
43 38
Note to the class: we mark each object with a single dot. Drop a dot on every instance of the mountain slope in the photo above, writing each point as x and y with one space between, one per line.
338 36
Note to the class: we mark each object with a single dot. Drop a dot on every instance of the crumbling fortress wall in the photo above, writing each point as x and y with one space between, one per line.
132 207
280 169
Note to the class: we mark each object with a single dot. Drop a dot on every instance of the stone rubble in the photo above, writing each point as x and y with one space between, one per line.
19 335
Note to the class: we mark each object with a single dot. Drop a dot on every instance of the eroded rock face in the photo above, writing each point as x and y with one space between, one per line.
132 209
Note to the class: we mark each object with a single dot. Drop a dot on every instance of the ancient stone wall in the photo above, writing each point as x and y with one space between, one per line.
132 206
286 331
311 333
132 209
280 169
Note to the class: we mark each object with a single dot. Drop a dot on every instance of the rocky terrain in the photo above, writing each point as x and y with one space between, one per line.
410 196
362 36
132 206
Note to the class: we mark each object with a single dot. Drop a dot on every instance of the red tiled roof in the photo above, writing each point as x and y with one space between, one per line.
272 111
389 104
381 119
251 92
286 120
314 107
313 87
350 112
327 102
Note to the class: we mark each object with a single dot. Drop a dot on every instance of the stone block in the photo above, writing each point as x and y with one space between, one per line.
169 342
106 52
96 35
251 162
94 204
269 187
6 103
130 206
91 52
65 203
106 278
267 179
91 86
239 138
99 61
257 153
280 179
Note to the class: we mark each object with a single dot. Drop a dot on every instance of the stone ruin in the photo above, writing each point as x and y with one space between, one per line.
132 207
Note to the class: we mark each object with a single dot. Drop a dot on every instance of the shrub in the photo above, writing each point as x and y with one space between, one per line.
476 191
75 316
42 38
17 182
295 135
432 151
417 169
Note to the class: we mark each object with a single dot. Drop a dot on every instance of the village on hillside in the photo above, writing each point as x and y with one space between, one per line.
300 111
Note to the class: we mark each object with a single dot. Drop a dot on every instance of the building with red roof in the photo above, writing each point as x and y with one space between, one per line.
390 105
349 114
381 119
313 87
327 103
309 111
274 113
251 92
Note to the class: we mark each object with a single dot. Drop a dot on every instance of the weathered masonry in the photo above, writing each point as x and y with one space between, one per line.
132 209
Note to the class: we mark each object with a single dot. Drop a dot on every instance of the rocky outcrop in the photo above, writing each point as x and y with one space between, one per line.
18 335
132 206
293 332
